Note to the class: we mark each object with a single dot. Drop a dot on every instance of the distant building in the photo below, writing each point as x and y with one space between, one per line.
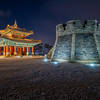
77 42
13 41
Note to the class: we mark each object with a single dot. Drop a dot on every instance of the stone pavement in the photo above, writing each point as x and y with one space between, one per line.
34 79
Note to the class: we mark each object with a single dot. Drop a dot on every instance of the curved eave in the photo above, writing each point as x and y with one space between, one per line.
23 40
1 31
14 42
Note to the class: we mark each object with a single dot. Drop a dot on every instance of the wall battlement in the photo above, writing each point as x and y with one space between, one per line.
78 23
76 26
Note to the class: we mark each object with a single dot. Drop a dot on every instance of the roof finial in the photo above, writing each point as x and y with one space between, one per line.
15 24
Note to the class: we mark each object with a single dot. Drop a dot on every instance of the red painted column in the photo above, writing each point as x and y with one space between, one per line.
4 50
18 50
32 50
28 50
10 50
0 51
15 53
24 50
7 50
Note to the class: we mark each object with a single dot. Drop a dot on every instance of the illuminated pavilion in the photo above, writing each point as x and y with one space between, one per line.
13 41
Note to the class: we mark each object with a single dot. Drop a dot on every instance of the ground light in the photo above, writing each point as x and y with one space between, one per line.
55 63
45 58
93 65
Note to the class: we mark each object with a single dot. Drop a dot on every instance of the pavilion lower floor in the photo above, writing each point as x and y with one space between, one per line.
16 50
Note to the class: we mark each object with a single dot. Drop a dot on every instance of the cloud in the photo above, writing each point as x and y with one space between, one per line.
5 13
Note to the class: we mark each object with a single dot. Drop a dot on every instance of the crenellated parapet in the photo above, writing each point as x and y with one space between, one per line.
75 26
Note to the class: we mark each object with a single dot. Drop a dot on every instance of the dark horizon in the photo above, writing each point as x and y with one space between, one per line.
42 16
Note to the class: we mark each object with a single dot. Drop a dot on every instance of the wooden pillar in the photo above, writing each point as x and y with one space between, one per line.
10 50
4 51
23 50
7 50
28 50
18 50
15 50
32 50
0 51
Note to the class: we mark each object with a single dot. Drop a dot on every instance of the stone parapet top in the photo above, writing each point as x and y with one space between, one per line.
75 26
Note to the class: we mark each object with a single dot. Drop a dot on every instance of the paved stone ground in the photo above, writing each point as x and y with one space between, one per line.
33 79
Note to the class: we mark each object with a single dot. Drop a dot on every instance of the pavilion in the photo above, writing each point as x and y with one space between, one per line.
14 42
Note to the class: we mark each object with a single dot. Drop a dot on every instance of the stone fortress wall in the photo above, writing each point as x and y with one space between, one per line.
77 42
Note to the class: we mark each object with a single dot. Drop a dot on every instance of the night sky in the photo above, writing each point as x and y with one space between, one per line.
42 16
